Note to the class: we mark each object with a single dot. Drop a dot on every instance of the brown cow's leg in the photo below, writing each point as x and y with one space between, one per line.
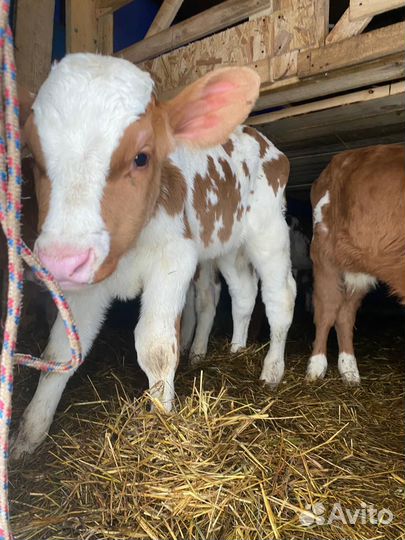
327 299
345 320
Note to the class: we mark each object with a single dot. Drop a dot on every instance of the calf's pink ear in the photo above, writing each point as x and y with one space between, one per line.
206 112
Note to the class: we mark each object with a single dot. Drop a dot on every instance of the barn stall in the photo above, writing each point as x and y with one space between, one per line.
235 459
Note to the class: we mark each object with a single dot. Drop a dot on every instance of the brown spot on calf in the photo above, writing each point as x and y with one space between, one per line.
172 189
276 172
228 204
263 143
245 169
228 147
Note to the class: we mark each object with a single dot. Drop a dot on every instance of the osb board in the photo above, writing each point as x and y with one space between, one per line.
294 25
246 43
299 25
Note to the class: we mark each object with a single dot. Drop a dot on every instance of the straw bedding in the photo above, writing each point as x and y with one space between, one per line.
234 461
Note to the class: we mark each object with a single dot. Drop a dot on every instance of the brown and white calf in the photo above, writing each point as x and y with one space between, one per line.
359 238
132 193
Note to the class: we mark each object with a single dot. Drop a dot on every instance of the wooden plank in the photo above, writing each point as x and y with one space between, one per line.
105 34
347 27
369 8
347 99
105 7
296 90
165 16
264 12
309 161
299 24
284 65
81 26
355 50
212 20
247 43
33 41
376 113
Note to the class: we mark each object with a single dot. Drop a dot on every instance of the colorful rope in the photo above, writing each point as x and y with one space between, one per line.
10 216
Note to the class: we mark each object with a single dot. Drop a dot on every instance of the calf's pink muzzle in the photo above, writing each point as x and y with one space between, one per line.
70 267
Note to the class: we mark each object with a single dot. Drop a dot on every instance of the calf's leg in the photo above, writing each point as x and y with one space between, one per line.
269 251
345 320
158 330
188 320
88 308
327 299
208 290
241 279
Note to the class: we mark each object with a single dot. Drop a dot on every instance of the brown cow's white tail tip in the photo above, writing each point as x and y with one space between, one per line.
317 367
348 370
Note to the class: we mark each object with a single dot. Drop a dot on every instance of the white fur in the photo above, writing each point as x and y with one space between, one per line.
317 367
81 112
207 292
348 369
317 214
358 282
163 261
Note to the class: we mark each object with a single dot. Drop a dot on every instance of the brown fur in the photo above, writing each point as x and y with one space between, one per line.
226 189
365 233
263 143
228 147
246 168
277 172
173 189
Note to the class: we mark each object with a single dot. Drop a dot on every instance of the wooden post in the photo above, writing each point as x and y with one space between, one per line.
369 8
81 26
346 28
33 40
105 34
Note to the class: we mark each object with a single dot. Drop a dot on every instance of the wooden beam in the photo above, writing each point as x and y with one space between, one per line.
365 47
264 12
304 130
105 34
369 8
323 104
294 90
33 41
346 27
81 26
165 16
106 7
212 20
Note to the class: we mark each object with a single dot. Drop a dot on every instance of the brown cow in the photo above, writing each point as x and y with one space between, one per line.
359 239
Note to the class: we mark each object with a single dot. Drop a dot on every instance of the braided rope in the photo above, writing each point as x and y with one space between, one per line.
10 216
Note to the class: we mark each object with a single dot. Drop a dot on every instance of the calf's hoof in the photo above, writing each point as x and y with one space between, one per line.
272 374
24 443
316 368
196 359
348 370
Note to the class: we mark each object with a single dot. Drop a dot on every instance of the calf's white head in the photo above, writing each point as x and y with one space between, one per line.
99 139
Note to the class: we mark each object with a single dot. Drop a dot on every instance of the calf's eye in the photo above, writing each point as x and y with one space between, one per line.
141 160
